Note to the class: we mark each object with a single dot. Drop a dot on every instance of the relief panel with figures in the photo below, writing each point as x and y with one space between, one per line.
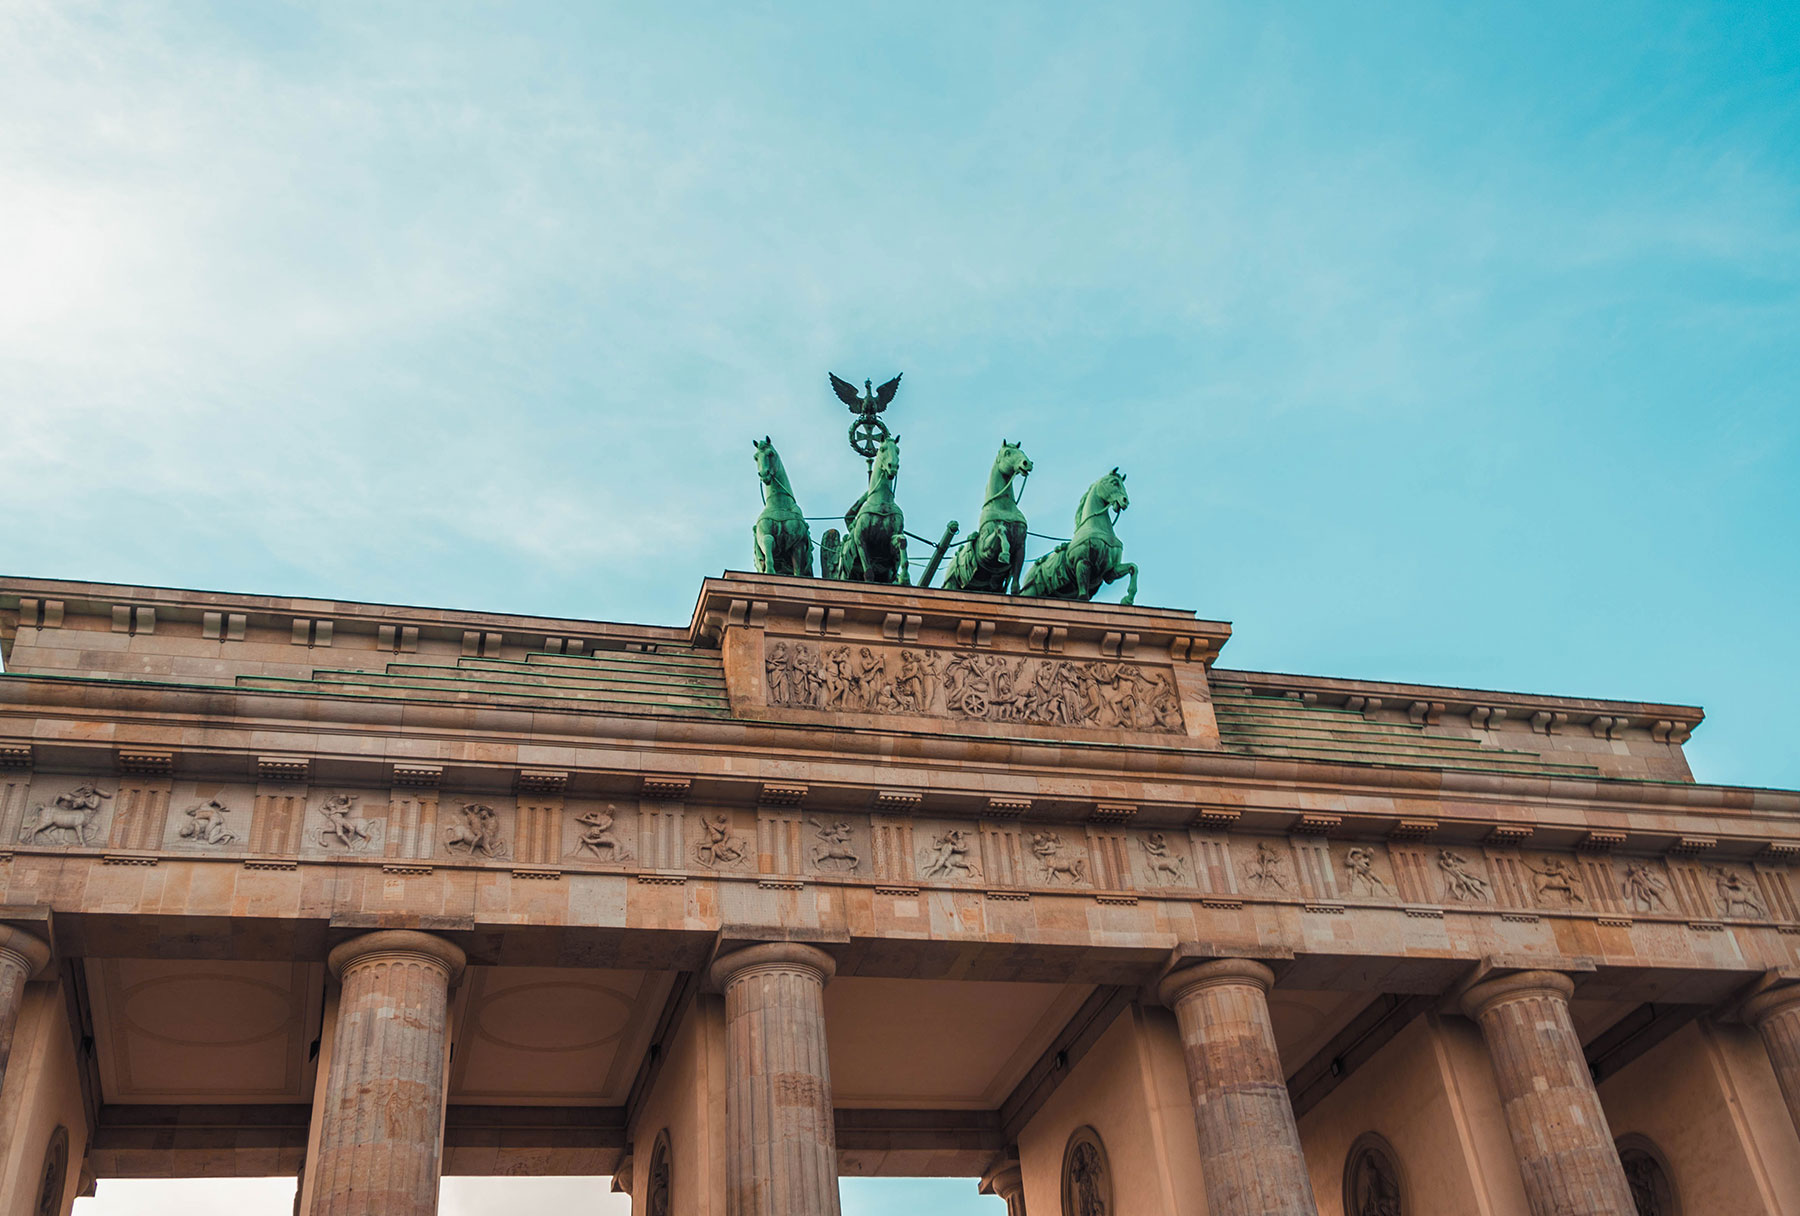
979 687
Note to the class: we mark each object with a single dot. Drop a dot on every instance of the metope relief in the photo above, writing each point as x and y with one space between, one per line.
68 818
1361 876
1738 897
1267 871
1556 883
1164 864
832 849
597 837
1095 694
345 829
719 844
951 856
1461 883
1644 889
474 831
207 825
1055 865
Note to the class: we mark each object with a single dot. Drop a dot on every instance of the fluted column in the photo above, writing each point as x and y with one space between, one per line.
21 957
381 1129
1559 1133
1249 1144
1006 1179
780 1143
1776 1016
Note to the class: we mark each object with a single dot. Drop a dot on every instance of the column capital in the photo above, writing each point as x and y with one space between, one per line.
1005 1178
388 944
27 952
1525 984
772 956
1770 1002
1178 984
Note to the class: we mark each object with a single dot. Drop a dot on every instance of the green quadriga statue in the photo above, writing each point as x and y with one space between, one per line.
991 559
873 546
1081 565
782 541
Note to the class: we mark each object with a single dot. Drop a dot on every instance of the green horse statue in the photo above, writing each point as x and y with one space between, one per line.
991 559
782 541
1081 565
873 546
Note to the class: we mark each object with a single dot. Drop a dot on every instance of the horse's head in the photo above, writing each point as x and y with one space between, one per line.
768 461
1012 460
887 458
1110 490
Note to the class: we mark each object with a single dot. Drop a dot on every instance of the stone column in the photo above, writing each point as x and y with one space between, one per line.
1776 1016
1249 1145
21 957
780 1143
1566 1154
1006 1179
382 1127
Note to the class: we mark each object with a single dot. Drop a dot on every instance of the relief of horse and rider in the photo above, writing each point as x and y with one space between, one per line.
872 545
1097 694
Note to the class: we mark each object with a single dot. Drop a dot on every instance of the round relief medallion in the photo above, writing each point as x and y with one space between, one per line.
656 1201
55 1174
1372 1184
1647 1171
1086 1177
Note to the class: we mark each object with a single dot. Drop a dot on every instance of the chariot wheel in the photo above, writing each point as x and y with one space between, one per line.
974 704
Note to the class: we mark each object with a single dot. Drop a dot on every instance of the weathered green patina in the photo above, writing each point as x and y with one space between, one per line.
782 541
1087 561
872 548
991 559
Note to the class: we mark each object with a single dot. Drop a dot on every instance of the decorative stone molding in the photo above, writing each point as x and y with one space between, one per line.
782 793
283 769
541 781
1316 824
1007 808
418 776
1112 812
145 763
1217 817
15 756
1509 834
897 801
1692 846
1599 841
1413 829
667 789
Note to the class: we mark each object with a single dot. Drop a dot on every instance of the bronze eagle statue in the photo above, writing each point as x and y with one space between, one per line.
870 401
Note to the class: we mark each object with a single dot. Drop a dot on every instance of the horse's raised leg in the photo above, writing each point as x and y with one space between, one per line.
1130 591
902 570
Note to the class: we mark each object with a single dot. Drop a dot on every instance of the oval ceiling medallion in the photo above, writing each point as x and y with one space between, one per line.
554 1016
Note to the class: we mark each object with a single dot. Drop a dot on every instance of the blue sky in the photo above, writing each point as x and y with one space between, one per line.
1440 343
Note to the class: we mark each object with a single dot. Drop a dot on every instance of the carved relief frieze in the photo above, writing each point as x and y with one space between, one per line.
75 814
719 846
833 849
1738 897
207 825
1362 875
1643 887
1268 870
597 836
950 855
971 686
1372 1185
341 824
473 830
1461 881
1164 861
1057 862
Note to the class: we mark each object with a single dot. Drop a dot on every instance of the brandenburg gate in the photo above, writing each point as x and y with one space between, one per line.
849 878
